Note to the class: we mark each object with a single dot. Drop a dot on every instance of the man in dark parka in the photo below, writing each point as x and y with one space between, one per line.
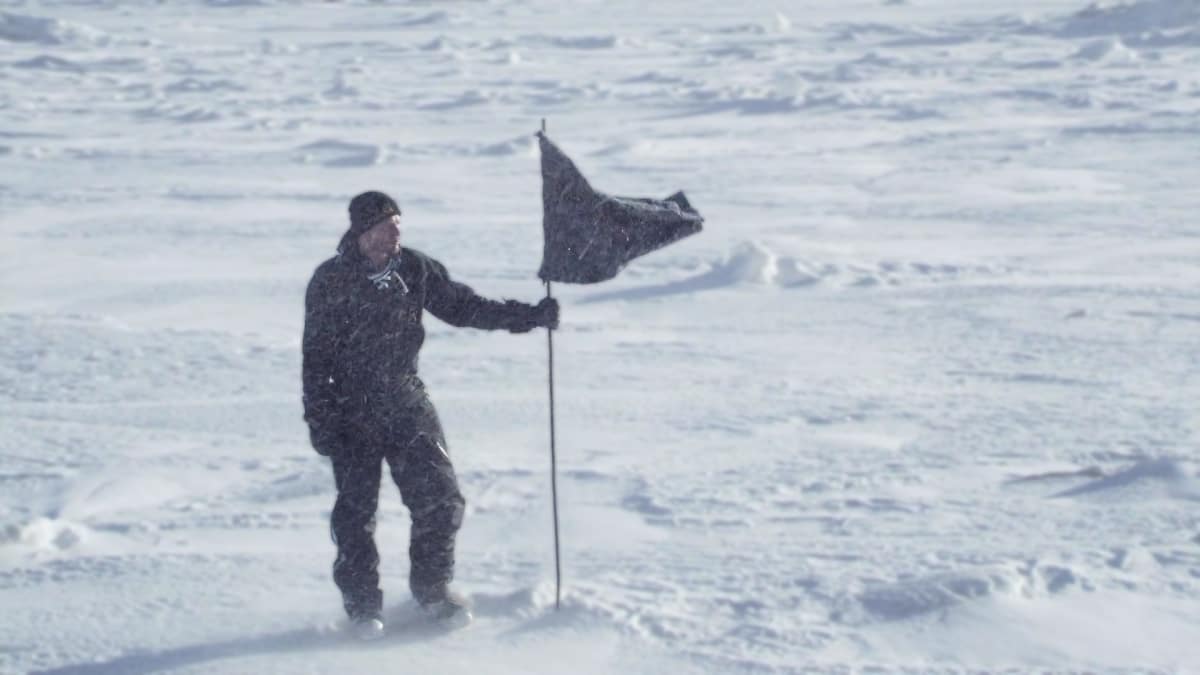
364 403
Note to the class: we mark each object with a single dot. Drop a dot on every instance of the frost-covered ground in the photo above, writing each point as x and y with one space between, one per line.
921 398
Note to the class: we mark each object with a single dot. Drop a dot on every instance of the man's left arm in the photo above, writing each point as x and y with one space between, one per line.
458 305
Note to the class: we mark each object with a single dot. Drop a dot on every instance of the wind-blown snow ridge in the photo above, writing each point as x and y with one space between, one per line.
937 595
23 28
1164 477
1116 17
429 19
48 62
335 153
584 42
755 264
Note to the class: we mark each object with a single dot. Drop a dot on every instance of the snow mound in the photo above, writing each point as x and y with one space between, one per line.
534 611
754 264
336 153
1132 18
1108 50
521 145
192 85
749 262
471 97
43 534
580 41
22 28
47 62
1151 478
524 603
935 595
429 19
179 113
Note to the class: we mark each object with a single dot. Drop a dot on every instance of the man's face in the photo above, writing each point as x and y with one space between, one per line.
383 238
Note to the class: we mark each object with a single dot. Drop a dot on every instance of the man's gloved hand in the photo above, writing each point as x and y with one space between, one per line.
326 438
545 313
527 317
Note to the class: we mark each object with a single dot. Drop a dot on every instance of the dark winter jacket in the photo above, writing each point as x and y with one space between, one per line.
362 333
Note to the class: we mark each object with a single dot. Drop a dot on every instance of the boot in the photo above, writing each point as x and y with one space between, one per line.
450 609
367 628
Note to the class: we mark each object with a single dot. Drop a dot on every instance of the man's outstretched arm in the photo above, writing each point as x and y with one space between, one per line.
458 305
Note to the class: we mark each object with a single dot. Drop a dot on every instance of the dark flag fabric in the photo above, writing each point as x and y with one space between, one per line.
590 236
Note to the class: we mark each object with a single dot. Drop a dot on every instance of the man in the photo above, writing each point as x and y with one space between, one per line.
364 403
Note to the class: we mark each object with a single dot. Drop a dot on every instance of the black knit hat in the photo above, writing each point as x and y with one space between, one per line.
368 208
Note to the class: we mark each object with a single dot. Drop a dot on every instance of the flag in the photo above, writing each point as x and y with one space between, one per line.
590 236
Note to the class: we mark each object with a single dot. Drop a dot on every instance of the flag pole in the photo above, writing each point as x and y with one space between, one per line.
553 456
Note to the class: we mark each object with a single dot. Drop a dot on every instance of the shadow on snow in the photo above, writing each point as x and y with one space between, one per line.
404 626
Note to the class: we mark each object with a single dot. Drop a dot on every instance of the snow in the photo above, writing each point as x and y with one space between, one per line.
1139 16
42 30
920 398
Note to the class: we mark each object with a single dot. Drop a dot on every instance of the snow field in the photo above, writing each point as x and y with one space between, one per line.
919 399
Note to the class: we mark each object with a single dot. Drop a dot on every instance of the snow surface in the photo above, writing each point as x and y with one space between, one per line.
921 398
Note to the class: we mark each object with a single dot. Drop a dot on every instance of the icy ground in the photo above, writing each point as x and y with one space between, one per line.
921 398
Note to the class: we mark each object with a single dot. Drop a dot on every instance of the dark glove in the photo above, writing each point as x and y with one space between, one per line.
326 438
545 313
527 317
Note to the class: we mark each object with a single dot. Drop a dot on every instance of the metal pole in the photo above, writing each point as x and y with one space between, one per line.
553 458
554 470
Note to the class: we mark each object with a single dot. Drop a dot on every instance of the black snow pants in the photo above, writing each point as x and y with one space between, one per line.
409 438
